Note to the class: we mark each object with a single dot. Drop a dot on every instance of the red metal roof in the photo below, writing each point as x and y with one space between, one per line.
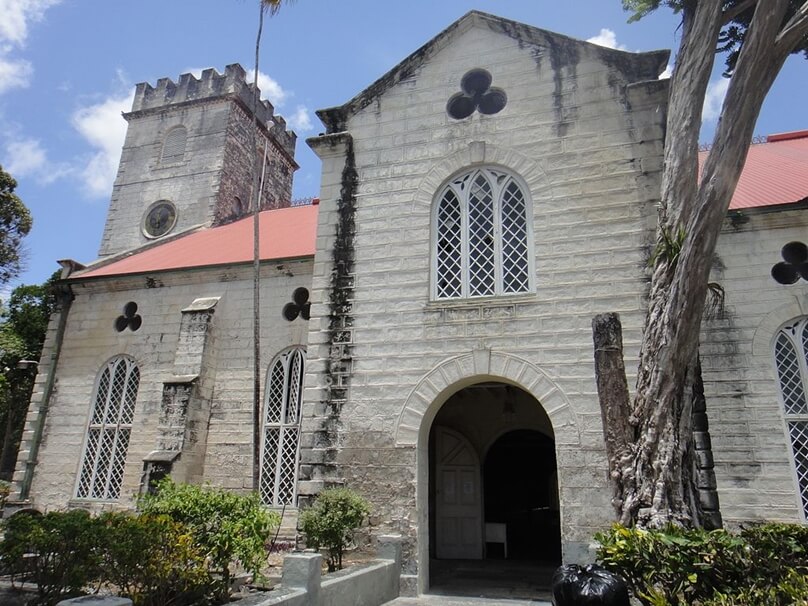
776 172
285 233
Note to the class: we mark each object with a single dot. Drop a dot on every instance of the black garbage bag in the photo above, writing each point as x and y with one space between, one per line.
574 585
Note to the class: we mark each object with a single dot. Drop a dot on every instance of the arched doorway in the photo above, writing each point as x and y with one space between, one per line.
493 494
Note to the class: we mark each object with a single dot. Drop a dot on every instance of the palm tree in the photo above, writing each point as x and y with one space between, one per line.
272 7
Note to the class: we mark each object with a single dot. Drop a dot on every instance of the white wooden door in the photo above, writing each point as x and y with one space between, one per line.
458 501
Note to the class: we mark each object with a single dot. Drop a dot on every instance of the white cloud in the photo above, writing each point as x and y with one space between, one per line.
606 38
17 15
25 157
667 73
299 121
714 100
14 73
103 127
270 89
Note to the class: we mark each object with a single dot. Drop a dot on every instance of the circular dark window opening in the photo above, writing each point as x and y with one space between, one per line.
785 273
291 311
460 106
493 101
475 82
795 253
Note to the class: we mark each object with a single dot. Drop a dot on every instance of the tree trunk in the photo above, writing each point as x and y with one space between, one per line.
610 376
656 480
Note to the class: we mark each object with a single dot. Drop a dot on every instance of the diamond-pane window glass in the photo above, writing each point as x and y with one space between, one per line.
280 437
482 237
174 145
102 466
791 361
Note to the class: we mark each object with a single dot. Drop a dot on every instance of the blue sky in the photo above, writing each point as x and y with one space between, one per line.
68 69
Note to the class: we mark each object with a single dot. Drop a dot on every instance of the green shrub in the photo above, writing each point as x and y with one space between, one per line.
764 564
153 560
58 550
330 522
226 527
673 566
791 590
776 546
5 490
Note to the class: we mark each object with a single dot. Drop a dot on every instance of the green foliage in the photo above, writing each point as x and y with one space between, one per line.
764 564
23 324
226 527
668 248
58 550
27 312
733 33
791 590
641 8
15 223
330 522
5 490
774 546
153 560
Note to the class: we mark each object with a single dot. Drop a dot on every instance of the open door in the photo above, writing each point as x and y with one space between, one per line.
458 498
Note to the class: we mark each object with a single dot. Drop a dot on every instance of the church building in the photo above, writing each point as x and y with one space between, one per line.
425 334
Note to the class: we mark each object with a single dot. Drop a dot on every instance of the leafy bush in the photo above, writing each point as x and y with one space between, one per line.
5 490
792 590
774 546
152 560
225 526
331 520
764 564
58 550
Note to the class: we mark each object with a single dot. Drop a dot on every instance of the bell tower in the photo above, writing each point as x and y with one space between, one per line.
187 158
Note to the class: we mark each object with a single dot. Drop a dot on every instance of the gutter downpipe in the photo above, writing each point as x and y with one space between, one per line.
66 297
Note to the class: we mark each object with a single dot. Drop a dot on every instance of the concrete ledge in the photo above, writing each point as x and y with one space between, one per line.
96 600
302 583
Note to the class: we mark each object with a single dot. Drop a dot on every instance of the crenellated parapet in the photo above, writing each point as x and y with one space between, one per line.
233 83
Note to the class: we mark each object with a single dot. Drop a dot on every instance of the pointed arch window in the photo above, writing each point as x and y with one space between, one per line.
174 145
791 360
281 428
482 244
113 408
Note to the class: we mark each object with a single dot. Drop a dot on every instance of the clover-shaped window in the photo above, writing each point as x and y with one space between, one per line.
476 94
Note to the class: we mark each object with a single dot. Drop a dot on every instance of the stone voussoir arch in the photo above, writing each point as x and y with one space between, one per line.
766 331
482 153
457 372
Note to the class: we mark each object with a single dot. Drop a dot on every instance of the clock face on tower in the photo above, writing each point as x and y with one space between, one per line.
159 219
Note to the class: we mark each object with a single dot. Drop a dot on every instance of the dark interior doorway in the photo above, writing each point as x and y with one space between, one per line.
520 490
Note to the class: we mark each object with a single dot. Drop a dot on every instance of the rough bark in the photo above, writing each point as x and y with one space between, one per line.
610 376
657 484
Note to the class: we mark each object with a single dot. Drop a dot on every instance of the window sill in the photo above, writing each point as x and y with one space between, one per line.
492 301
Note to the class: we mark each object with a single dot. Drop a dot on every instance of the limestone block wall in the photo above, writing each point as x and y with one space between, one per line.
750 445
236 176
90 340
211 181
191 184
588 144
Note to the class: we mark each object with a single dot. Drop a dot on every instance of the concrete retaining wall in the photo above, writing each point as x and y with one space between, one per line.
302 583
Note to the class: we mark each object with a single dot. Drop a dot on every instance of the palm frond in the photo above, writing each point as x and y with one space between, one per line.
273 6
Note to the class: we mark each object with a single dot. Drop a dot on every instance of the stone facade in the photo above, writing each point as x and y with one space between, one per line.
753 466
579 128
210 181
210 431
583 128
